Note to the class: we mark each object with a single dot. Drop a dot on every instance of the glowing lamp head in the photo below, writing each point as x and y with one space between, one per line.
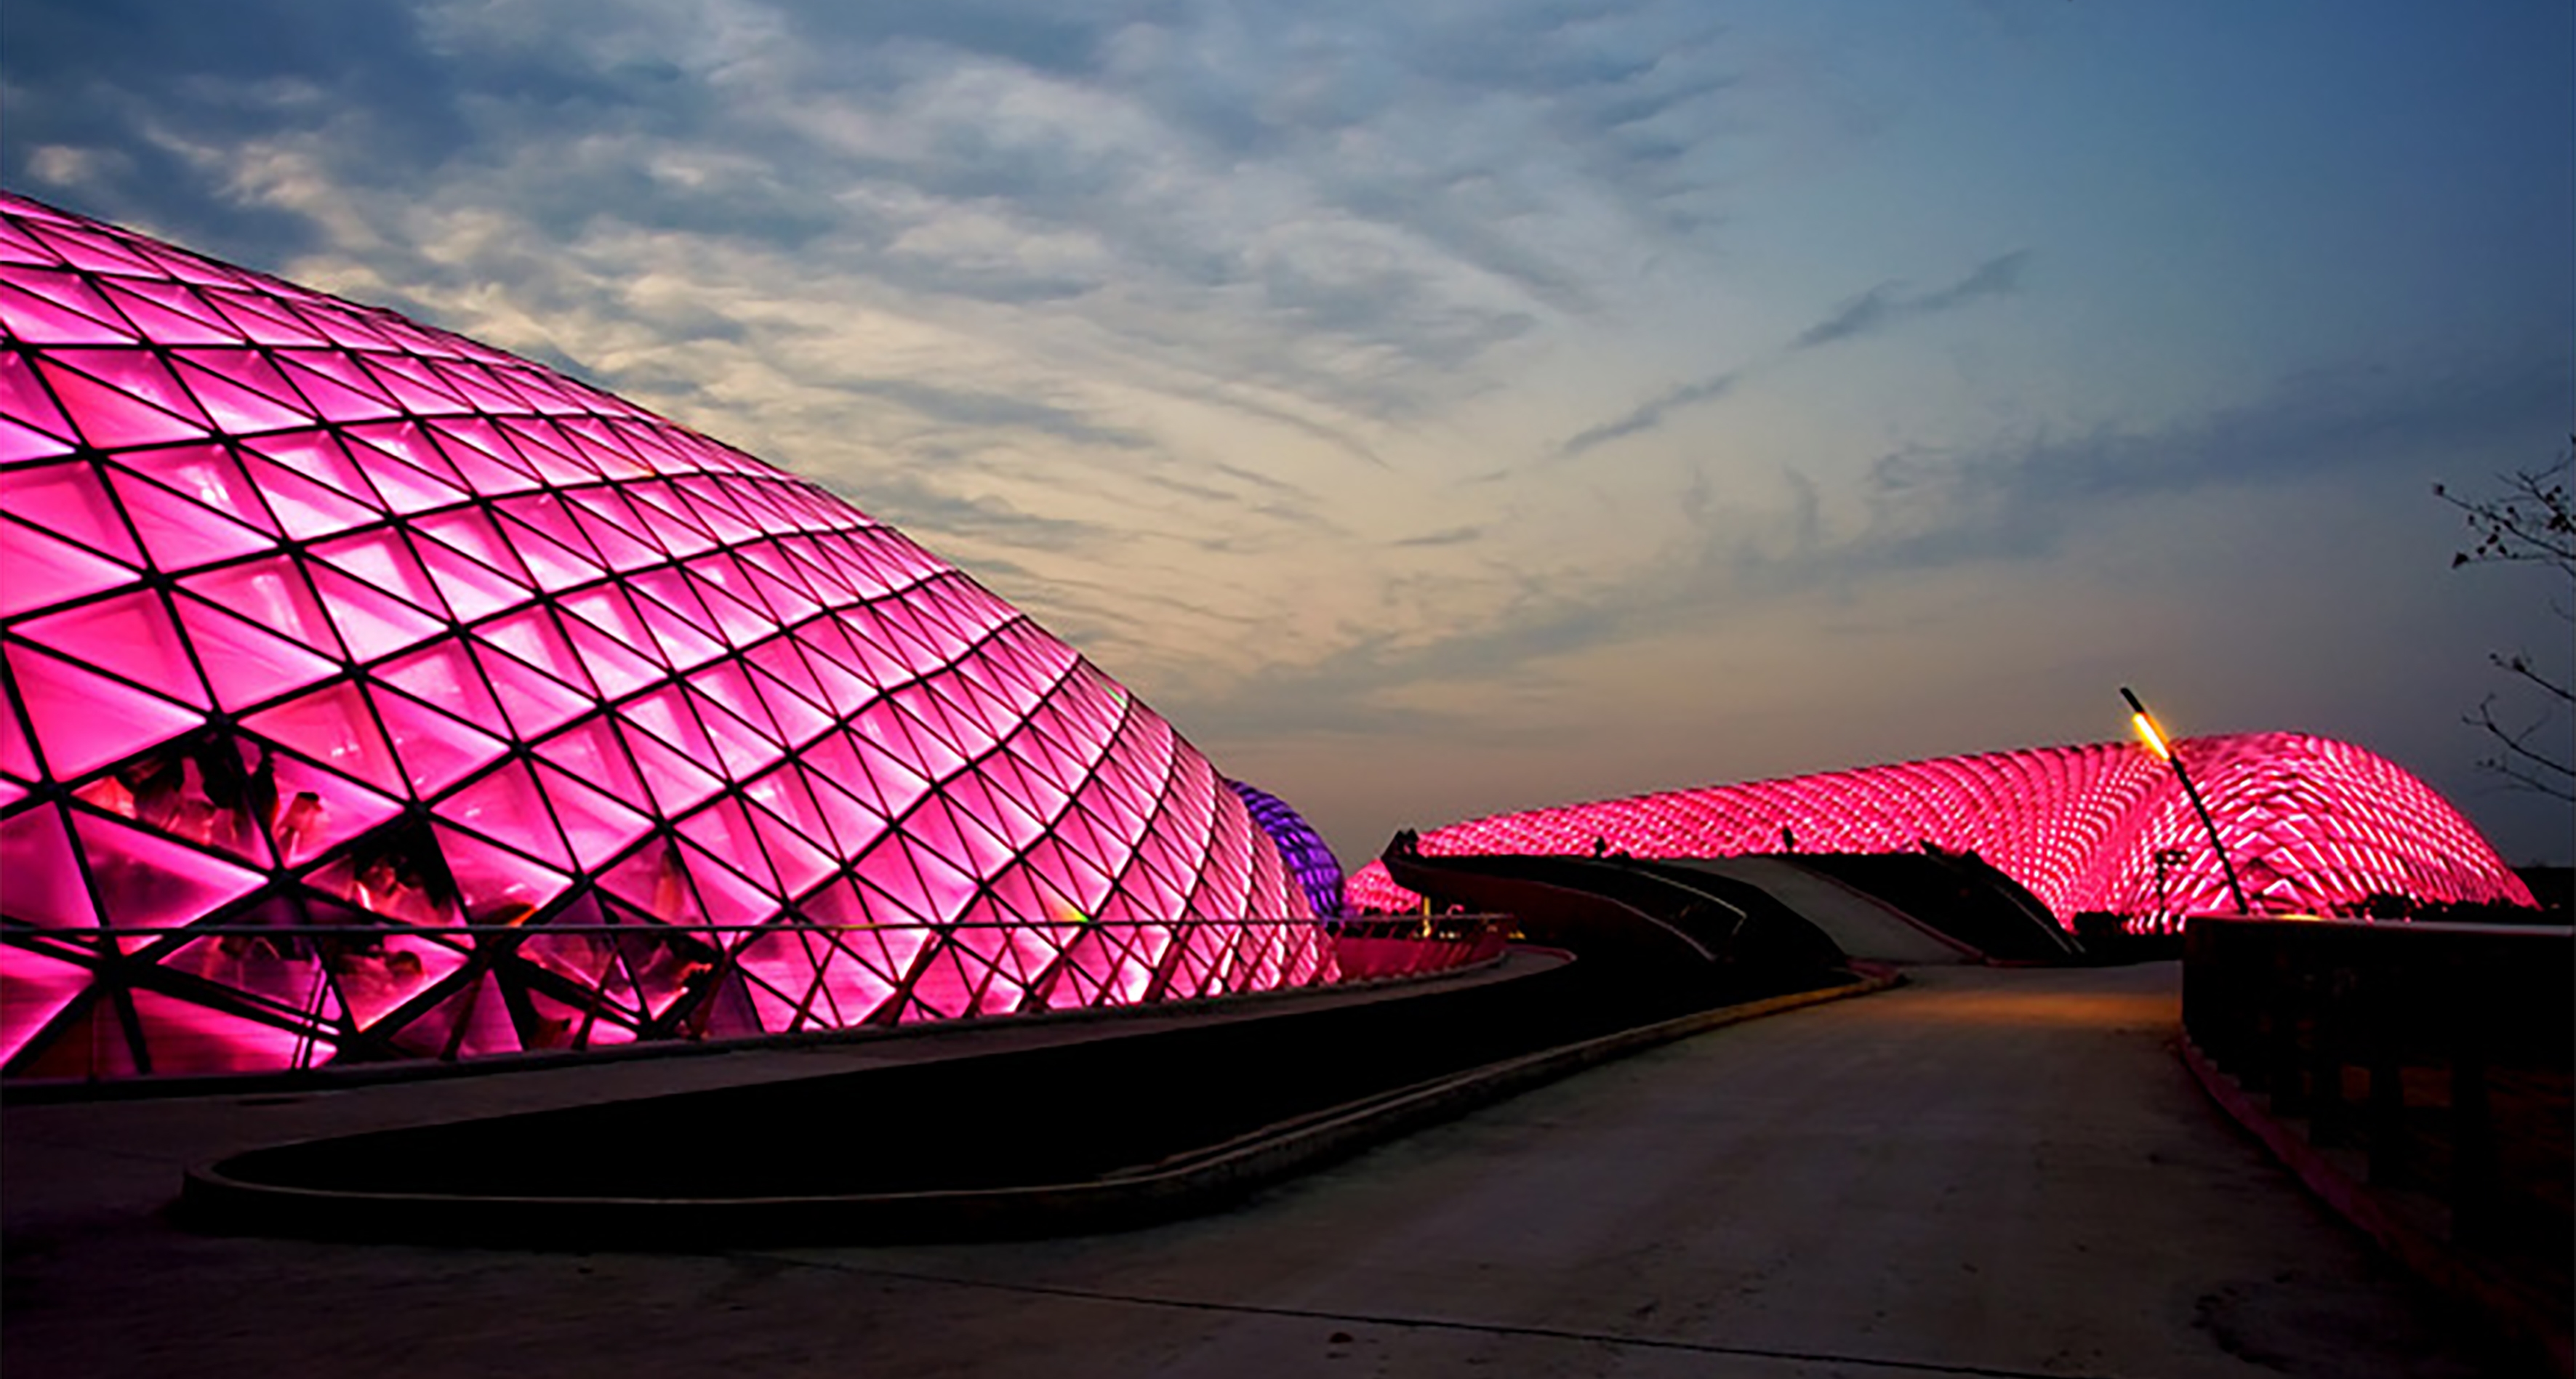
2149 734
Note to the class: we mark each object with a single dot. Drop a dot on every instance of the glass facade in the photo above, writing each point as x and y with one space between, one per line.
372 693
2311 824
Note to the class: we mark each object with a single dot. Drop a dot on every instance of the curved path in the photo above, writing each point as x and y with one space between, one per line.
1862 926
1990 1172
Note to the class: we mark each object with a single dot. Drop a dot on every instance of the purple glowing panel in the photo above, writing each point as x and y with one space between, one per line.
2312 825
1317 871
317 616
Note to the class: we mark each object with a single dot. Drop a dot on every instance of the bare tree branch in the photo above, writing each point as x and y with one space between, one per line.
2529 522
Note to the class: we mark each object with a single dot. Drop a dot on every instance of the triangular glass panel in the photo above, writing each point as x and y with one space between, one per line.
783 971
487 464
530 635
69 500
244 663
19 442
84 720
872 647
137 374
183 1038
265 320
673 778
473 1022
46 571
740 749
26 316
203 474
780 658
607 608
727 1012
782 791
889 871
98 253
554 566
535 702
40 880
656 881
469 531
680 642
614 667
379 974
497 885
383 559
446 676
731 900
799 863
319 456
307 509
33 990
591 751
725 831
944 984
413 385
854 826
237 410
334 726
549 452
474 591
506 804
436 750
407 442
727 684
798 720
373 624
843 687
597 827
130 635
599 515
705 503
946 882
340 399
87 1042
169 314
147 881
274 594
404 488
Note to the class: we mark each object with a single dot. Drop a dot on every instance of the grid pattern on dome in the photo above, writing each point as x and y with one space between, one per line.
2310 823
1309 860
316 616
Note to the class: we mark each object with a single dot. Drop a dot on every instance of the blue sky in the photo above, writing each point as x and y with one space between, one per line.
1439 409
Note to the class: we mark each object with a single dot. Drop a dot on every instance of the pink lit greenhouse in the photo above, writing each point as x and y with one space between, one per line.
2311 825
374 694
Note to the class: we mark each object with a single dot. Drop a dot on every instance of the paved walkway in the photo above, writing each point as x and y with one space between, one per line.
1986 1173
1860 925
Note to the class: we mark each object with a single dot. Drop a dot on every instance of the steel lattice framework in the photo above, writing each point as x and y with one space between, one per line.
2311 824
1309 858
315 616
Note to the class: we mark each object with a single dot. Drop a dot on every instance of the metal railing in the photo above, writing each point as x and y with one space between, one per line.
2439 1053
292 978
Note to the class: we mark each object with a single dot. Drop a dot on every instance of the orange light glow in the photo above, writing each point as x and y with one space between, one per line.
2148 734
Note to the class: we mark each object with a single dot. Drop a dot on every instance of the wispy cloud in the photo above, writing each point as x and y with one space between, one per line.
1878 309
1889 304
1648 415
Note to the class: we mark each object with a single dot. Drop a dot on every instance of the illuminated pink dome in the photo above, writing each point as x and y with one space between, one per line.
319 620
2310 824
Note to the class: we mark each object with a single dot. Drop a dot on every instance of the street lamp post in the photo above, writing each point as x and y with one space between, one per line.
2154 737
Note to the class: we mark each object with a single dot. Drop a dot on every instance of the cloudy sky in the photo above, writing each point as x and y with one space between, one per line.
1443 408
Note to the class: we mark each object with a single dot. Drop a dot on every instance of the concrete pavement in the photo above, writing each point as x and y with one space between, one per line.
1986 1173
1861 925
